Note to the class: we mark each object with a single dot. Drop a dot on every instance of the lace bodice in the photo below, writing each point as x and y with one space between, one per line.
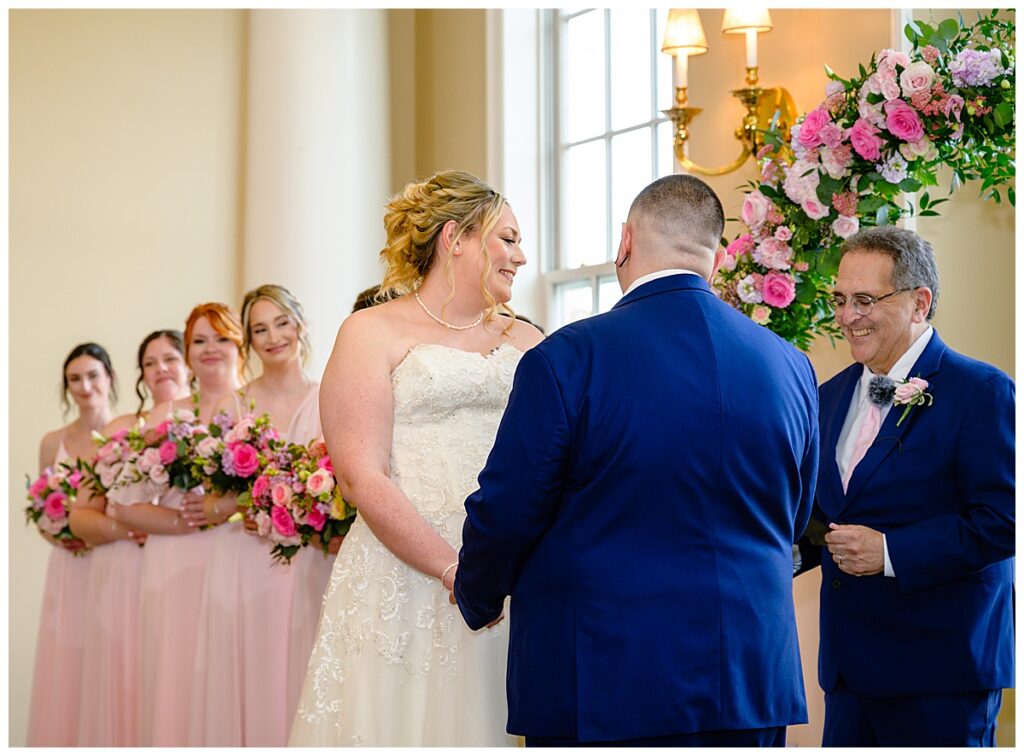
447 406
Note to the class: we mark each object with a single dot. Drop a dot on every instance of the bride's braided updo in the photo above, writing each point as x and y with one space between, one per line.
415 217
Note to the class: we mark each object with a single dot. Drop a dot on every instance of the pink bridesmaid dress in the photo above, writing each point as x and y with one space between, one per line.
57 675
111 708
173 572
258 623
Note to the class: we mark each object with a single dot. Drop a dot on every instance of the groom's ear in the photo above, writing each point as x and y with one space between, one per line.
625 246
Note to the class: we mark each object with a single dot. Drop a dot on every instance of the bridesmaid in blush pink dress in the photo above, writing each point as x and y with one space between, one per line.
57 675
251 694
109 712
173 565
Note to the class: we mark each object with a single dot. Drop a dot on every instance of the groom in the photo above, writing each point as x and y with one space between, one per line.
651 472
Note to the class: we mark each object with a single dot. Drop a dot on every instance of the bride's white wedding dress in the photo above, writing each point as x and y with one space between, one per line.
394 664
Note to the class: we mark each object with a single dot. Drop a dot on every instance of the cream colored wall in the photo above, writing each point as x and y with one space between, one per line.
124 202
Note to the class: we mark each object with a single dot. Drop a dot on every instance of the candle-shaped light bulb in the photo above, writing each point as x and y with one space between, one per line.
679 70
751 48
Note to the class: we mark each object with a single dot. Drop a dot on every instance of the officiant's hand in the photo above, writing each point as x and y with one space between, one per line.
856 549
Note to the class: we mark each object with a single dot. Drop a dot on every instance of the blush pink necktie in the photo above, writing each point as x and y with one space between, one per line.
868 431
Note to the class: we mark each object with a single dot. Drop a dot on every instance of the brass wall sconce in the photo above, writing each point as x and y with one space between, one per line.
684 36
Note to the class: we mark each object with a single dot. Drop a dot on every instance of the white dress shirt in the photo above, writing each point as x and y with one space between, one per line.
859 405
656 275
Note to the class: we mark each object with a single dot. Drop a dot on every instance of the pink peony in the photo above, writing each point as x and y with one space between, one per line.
917 77
779 290
810 129
281 494
814 209
320 482
845 226
282 521
316 519
831 135
755 209
53 507
773 253
260 486
760 314
864 140
168 452
903 121
148 459
246 460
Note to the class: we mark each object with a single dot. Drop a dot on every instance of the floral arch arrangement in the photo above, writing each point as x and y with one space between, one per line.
848 163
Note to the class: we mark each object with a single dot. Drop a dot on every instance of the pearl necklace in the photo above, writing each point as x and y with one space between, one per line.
445 323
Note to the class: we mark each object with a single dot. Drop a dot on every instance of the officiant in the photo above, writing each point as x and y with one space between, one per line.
916 503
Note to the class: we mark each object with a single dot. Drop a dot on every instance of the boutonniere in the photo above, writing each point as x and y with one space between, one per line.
906 393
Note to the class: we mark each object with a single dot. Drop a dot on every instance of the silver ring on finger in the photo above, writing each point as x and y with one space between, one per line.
839 560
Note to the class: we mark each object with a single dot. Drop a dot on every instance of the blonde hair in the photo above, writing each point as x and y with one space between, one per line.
287 302
414 219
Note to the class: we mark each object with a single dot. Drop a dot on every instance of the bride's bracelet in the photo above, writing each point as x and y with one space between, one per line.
447 569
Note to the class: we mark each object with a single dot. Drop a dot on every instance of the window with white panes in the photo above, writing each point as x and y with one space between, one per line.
611 84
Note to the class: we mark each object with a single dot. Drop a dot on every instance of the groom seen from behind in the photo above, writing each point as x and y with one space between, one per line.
650 474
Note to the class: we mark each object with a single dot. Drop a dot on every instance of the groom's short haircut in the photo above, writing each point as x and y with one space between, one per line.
682 207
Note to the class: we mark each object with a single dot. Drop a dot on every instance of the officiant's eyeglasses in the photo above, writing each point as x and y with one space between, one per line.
862 303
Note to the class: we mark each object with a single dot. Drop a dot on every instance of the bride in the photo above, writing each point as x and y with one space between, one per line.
410 403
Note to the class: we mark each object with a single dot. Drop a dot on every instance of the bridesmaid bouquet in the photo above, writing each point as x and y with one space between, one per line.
50 497
295 500
227 459
111 457
171 445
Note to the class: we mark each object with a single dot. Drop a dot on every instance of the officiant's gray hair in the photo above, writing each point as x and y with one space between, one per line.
682 206
913 261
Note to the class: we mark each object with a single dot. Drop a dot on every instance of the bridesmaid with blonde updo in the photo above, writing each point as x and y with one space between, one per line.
57 677
261 615
411 401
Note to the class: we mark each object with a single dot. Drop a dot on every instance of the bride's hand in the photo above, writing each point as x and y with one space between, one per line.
496 621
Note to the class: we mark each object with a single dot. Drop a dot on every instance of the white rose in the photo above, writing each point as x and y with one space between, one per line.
148 458
158 474
845 226
184 416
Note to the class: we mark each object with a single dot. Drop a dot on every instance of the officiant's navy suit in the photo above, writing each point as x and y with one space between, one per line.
650 475
941 488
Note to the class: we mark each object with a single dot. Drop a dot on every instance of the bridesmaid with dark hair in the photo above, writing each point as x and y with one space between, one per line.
109 711
173 567
57 677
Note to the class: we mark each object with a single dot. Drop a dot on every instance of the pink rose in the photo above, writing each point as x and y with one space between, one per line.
260 486
282 521
168 452
921 383
208 447
814 209
810 129
246 460
760 314
923 149
240 430
325 463
831 135
741 245
54 479
864 140
280 494
903 121
161 430
37 487
320 482
779 289
75 479
845 226
53 507
917 77
148 459
782 233
801 181
905 392
158 474
755 209
890 89
121 435
316 519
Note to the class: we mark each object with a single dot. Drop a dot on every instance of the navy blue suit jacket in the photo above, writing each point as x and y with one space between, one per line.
941 488
650 475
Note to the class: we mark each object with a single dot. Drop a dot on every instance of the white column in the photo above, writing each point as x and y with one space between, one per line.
317 159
